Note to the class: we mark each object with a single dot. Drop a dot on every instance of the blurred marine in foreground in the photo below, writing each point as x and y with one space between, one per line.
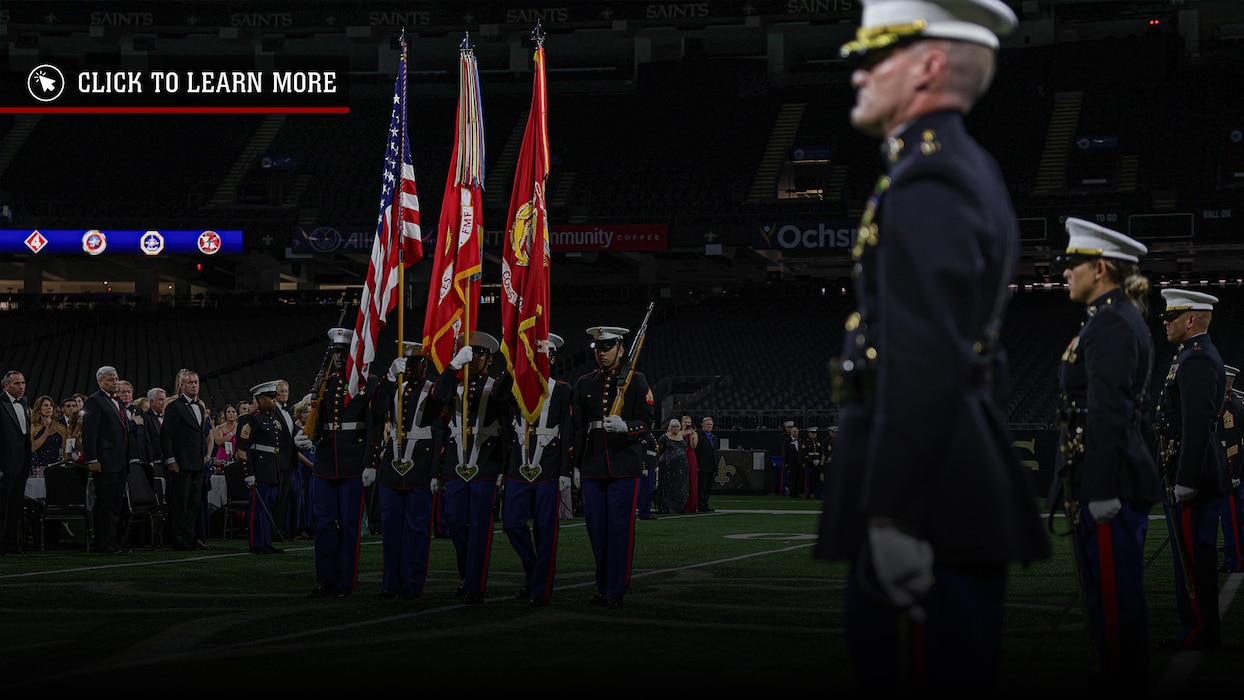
927 498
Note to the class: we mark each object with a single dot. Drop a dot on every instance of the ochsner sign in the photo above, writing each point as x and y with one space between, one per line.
801 236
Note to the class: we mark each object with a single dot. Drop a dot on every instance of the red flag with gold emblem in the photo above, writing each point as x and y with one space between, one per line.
525 261
453 293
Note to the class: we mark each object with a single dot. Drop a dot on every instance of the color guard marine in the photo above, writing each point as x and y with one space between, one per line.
1193 465
613 409
1105 473
259 449
347 434
473 468
538 470
410 456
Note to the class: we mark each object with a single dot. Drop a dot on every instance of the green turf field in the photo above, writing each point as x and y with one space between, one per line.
719 601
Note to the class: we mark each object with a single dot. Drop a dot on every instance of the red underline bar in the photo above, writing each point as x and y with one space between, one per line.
174 110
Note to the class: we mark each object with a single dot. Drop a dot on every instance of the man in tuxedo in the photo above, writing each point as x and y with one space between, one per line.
706 459
153 416
106 450
14 458
183 445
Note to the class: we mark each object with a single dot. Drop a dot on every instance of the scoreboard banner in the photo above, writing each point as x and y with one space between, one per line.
147 242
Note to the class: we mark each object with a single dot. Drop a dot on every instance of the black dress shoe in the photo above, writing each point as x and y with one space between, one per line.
407 595
598 599
256 550
342 592
613 602
201 547
460 591
324 590
473 597
273 550
387 595
538 602
523 593
191 548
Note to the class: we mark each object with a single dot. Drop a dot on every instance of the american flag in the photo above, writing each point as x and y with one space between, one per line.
398 238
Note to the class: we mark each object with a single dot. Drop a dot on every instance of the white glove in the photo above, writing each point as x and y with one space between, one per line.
369 476
302 442
1104 511
614 424
563 483
464 357
1183 493
434 486
904 566
500 480
644 472
578 478
1235 483
398 367
250 482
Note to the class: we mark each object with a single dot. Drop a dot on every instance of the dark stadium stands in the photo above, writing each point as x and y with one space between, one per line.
681 146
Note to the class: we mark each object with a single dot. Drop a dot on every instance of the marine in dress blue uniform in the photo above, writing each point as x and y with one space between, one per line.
609 459
1106 472
1193 465
346 438
927 499
538 470
1232 515
259 449
474 464
404 474
814 466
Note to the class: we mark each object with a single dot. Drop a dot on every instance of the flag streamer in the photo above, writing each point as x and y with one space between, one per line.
453 295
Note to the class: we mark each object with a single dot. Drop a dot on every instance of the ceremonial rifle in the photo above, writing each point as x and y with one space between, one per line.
321 379
628 369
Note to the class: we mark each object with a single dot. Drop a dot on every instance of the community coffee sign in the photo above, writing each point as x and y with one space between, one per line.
608 238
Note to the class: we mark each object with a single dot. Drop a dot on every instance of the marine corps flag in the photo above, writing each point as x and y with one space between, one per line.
525 261
398 240
453 295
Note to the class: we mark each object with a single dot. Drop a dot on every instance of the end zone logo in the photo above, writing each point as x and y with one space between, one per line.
45 83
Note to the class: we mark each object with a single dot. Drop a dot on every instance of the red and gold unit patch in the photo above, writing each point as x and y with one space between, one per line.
649 397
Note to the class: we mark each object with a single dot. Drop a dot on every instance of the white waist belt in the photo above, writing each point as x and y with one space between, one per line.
423 433
270 449
345 426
